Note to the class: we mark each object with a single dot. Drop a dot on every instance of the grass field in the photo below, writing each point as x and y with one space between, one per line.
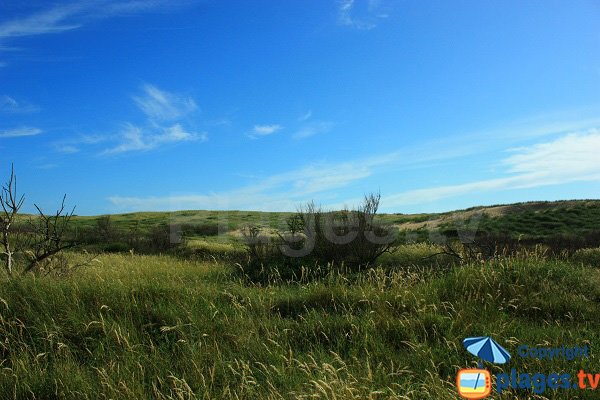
159 327
188 324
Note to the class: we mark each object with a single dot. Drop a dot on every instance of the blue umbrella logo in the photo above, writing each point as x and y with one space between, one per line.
487 349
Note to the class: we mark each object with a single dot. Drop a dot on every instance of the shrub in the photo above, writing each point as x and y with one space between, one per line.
161 238
352 239
202 229
589 257
116 247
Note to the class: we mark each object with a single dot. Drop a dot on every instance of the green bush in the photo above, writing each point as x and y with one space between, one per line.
347 239
589 257
201 229
117 247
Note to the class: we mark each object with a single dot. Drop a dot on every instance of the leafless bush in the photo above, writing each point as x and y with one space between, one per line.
260 248
11 204
48 237
350 238
35 246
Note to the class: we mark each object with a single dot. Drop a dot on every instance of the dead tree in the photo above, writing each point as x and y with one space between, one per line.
11 204
48 236
27 248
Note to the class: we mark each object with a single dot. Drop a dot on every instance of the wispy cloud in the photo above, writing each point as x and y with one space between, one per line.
306 116
134 138
361 14
161 105
20 132
312 129
11 106
163 112
75 144
264 130
52 20
283 191
67 148
67 17
570 158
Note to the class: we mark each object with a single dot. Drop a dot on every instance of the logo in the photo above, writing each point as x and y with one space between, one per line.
477 383
474 383
487 349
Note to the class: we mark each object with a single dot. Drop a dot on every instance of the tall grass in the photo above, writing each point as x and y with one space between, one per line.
160 327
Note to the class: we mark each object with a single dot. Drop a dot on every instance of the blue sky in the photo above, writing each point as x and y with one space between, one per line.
158 105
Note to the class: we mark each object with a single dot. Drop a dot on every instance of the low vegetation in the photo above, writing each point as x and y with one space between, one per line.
349 240
160 327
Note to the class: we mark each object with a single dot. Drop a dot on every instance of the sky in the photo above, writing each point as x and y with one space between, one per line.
158 105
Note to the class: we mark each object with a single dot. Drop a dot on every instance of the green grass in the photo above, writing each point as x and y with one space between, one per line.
545 220
228 219
141 327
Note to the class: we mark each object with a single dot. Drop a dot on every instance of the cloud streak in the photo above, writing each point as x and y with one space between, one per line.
9 105
264 130
161 105
569 158
134 138
284 191
66 17
280 191
53 20
364 19
20 132
312 129
163 112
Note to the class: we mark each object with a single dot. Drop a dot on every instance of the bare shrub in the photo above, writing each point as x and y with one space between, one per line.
36 245
348 239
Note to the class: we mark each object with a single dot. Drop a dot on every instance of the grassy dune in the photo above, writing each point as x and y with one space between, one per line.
160 327
535 219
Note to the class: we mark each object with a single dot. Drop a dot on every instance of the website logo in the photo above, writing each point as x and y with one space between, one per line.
474 383
487 349
477 383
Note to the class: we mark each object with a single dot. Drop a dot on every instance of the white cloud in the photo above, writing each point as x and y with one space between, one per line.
67 17
570 158
20 132
11 106
278 192
313 129
364 18
283 191
133 138
158 106
71 16
67 149
306 116
161 105
572 155
264 130
48 21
